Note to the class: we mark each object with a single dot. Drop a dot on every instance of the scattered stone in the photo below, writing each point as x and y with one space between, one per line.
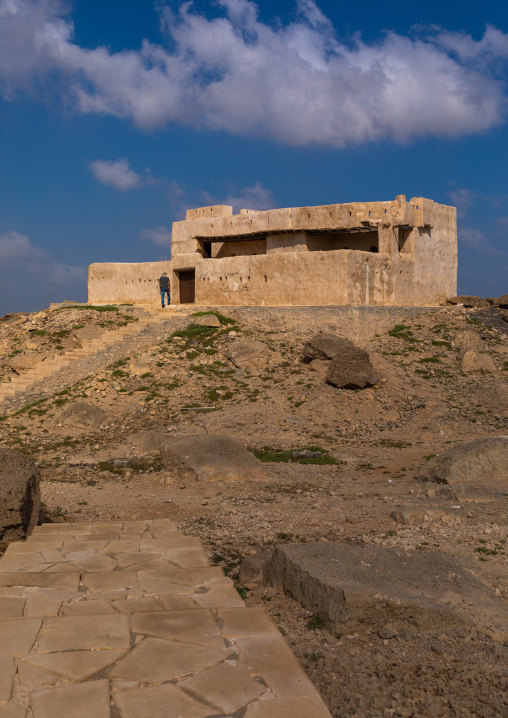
81 413
20 496
22 363
249 354
211 457
209 320
352 368
324 347
471 362
357 587
13 319
468 339
469 301
387 633
481 462
138 368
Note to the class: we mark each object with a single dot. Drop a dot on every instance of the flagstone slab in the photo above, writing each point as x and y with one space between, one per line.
11 606
156 660
251 621
7 673
17 635
79 701
12 711
30 675
195 626
46 602
86 608
224 687
135 605
219 597
110 581
159 702
32 546
65 582
271 658
77 666
72 633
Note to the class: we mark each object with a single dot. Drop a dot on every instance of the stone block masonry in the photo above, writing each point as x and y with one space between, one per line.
395 253
127 620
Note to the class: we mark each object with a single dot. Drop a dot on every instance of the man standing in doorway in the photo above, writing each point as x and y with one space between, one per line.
164 287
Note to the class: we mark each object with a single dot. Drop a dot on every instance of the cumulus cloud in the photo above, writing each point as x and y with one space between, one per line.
116 174
462 199
19 257
256 197
16 247
297 83
160 236
475 239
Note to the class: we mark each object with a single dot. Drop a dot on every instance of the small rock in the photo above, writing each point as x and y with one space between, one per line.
387 633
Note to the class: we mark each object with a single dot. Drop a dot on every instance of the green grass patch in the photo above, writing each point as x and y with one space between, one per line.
315 623
308 455
402 331
429 360
105 308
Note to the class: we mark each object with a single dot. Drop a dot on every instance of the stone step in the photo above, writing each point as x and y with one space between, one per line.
127 618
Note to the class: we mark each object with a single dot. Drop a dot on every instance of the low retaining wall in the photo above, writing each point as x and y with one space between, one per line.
356 323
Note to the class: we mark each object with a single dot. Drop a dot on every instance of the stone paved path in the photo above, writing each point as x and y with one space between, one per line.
128 620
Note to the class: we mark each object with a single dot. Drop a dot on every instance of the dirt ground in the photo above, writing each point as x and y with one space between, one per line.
377 437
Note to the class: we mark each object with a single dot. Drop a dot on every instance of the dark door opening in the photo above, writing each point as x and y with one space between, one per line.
187 281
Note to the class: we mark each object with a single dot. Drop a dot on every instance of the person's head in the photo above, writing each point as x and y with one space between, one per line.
164 274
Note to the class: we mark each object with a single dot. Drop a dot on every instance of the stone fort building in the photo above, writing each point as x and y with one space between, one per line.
395 253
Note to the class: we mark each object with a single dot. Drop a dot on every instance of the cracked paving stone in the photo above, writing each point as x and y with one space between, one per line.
79 701
224 687
156 702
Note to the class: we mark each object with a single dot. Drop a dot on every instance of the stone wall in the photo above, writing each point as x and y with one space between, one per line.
131 283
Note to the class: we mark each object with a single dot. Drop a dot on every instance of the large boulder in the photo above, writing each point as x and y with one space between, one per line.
472 362
502 301
483 462
207 320
356 587
250 355
87 334
22 363
468 300
351 369
467 339
81 413
324 346
149 441
17 318
211 457
20 496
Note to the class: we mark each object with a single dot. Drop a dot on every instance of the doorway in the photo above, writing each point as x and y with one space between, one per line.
187 280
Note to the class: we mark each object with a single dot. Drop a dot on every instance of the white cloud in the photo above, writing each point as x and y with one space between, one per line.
256 197
116 174
160 236
462 199
18 256
16 247
297 83
476 240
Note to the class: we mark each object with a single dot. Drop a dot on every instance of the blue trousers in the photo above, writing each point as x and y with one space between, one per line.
163 292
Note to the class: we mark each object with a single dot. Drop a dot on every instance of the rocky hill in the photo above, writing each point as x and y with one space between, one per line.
338 460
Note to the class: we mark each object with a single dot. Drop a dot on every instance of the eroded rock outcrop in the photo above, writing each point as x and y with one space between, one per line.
211 457
20 496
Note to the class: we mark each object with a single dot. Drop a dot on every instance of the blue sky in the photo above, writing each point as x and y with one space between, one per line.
115 116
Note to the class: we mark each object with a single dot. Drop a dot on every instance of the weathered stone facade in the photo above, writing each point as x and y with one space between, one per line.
394 253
